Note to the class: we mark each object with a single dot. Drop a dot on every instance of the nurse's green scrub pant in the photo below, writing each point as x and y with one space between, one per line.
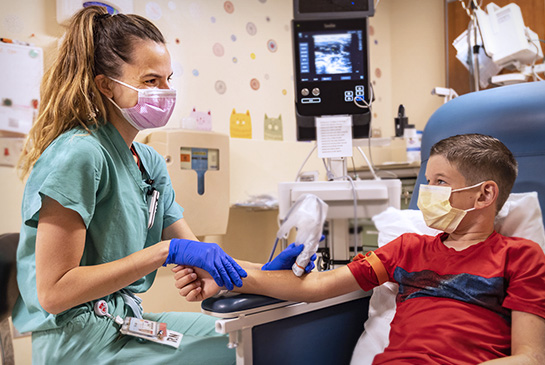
90 339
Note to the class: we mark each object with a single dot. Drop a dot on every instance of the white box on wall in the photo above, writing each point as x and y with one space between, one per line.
21 67
67 8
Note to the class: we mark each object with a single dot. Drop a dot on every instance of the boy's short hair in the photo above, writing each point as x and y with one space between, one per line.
479 158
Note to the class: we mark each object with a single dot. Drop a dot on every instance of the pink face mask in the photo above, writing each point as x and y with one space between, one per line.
153 109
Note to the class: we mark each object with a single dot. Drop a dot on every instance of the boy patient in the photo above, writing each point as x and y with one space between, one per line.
466 296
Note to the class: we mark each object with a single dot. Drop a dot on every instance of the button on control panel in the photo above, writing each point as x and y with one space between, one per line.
311 100
358 92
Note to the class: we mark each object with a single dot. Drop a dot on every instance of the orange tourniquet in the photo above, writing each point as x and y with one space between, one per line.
376 265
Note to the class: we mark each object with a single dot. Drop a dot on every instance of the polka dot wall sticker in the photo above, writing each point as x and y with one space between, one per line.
284 92
195 9
172 5
178 70
268 18
153 11
371 30
235 60
251 28
233 37
271 45
218 49
195 72
254 84
220 87
212 19
229 7
378 72
252 56
266 76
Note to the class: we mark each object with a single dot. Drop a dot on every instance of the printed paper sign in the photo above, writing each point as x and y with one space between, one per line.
334 136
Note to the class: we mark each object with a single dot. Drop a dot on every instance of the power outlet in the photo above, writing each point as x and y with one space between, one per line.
10 150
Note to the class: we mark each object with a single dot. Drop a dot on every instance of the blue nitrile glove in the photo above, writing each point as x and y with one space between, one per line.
209 257
286 259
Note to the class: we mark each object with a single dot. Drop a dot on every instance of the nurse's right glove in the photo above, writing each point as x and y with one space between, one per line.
286 258
209 257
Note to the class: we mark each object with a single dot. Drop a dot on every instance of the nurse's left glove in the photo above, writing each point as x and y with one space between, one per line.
209 257
286 259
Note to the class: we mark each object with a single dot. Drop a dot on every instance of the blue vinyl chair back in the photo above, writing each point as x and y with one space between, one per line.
515 114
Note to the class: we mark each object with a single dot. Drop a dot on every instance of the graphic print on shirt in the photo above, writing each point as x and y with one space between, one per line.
473 289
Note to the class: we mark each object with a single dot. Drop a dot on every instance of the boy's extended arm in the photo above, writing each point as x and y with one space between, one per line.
282 284
312 287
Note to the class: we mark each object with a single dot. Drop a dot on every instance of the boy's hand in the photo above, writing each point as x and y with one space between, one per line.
194 284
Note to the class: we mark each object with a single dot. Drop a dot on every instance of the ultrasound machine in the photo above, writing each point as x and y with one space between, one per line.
333 97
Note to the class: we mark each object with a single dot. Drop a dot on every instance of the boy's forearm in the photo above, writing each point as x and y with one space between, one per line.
514 360
247 265
283 284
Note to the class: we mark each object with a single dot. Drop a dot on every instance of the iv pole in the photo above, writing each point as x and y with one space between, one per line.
474 47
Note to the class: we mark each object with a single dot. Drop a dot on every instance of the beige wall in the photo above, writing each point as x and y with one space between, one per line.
406 62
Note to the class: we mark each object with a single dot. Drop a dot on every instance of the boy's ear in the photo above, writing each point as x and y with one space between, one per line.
489 194
104 85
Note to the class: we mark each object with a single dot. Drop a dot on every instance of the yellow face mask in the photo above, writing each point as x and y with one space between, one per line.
433 202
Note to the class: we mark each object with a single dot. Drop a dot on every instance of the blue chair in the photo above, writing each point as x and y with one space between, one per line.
515 114
326 334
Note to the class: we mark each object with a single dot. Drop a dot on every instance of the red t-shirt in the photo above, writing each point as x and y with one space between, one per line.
454 307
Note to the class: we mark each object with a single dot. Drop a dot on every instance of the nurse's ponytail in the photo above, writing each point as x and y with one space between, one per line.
95 43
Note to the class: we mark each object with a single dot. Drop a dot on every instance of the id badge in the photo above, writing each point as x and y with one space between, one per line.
151 331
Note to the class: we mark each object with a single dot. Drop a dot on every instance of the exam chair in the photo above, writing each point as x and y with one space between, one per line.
8 293
278 332
515 114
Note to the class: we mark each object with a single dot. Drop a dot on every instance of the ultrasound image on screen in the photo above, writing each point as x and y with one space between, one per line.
332 54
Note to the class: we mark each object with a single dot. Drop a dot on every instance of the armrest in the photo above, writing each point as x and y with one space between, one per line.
333 326
233 305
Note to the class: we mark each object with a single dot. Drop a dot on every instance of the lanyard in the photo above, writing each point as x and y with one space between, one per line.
142 329
152 193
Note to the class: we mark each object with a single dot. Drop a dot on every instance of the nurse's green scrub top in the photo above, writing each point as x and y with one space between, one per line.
96 176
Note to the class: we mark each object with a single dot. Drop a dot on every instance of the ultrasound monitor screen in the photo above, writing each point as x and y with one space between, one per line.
331 56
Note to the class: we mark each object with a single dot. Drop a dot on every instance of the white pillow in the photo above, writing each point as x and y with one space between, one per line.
519 217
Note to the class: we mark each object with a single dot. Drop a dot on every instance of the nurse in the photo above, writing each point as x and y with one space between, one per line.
99 213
